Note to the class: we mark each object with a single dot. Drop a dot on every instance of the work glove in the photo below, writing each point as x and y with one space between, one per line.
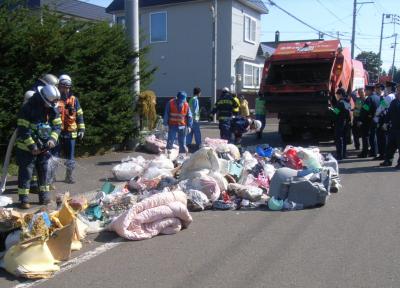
81 134
384 126
376 119
189 130
359 123
51 144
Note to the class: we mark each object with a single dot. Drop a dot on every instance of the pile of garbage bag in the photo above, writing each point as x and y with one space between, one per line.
218 176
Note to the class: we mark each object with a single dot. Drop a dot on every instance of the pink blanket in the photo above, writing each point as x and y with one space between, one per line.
163 213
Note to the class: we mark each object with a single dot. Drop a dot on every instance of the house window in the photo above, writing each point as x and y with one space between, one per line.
158 27
251 75
120 20
250 26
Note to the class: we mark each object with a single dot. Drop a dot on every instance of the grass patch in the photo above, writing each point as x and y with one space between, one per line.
12 169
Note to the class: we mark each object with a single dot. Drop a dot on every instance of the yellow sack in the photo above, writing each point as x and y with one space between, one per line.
31 259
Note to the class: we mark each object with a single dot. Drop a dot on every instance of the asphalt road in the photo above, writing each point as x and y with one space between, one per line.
353 241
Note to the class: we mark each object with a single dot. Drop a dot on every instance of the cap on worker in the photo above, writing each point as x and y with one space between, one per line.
369 87
225 89
181 95
341 92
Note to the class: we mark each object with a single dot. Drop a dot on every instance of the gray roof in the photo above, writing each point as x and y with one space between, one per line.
119 5
74 8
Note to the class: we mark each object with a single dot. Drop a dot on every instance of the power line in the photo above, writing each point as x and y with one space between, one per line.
298 19
334 15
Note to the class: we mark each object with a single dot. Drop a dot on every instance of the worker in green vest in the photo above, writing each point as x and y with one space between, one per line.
358 99
195 108
261 111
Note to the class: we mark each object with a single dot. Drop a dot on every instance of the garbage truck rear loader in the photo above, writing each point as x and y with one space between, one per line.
299 83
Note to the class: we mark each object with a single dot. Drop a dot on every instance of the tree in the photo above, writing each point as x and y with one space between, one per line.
396 77
371 63
98 58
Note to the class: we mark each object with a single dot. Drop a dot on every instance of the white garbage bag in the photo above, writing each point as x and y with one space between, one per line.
205 158
129 168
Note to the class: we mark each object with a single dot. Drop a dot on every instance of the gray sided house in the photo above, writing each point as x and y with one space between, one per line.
180 35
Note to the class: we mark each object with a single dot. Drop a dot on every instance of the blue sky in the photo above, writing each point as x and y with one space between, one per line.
331 16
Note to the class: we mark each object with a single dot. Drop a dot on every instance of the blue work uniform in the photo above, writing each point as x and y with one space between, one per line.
394 131
341 111
225 109
37 124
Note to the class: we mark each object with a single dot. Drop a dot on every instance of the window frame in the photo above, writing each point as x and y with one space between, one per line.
166 26
251 20
254 66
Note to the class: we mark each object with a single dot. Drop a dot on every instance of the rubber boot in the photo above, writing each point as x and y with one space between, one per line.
44 198
69 176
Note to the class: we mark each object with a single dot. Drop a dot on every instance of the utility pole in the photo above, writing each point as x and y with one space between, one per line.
394 54
214 10
380 42
132 30
353 33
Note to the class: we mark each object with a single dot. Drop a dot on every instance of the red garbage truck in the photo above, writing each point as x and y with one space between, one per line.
299 82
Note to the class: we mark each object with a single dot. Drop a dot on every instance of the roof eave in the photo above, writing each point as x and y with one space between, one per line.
254 6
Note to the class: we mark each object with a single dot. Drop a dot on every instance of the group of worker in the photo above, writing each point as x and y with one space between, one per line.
373 114
182 118
49 122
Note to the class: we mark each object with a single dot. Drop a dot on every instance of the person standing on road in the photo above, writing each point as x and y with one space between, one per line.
342 112
368 129
393 116
38 127
358 103
261 110
244 107
195 109
224 109
381 120
73 127
178 118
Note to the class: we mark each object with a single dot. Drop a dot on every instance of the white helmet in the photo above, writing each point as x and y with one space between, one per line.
65 80
225 89
28 95
49 79
50 95
257 125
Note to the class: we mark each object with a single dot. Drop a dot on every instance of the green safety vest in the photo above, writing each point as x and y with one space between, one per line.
195 115
260 106
357 107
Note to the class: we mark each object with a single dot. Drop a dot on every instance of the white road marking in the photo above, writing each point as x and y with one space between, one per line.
68 265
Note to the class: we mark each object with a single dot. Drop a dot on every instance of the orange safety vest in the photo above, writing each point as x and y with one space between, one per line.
177 118
68 119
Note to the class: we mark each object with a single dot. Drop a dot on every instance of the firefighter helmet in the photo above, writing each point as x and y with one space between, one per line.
50 95
49 79
65 80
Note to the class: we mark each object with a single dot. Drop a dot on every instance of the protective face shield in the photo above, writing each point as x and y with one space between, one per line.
50 95
49 79
65 80
28 95
257 125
